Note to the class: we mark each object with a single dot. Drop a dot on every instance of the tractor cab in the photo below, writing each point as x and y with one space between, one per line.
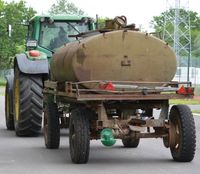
48 33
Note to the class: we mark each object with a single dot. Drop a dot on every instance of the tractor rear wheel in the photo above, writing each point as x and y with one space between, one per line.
28 103
184 135
8 108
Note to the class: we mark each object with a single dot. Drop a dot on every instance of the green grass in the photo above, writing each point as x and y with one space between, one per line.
184 102
196 111
2 81
2 89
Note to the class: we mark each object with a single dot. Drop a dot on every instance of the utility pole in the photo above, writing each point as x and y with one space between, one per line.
177 30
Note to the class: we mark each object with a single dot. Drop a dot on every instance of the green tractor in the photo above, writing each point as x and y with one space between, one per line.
24 96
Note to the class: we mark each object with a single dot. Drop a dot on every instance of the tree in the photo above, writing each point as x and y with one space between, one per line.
65 7
101 22
1 5
14 14
158 24
196 46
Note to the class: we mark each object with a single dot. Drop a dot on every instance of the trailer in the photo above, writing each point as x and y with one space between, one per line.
107 84
111 110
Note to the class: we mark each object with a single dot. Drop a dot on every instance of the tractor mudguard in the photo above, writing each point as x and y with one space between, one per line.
32 66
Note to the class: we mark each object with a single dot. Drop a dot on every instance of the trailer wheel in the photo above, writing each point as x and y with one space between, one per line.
184 142
130 142
28 103
51 125
8 109
79 136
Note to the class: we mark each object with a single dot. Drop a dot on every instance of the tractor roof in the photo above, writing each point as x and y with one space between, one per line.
58 17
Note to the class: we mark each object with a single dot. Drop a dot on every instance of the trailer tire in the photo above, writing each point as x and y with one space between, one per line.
9 118
181 117
79 136
51 125
130 142
27 103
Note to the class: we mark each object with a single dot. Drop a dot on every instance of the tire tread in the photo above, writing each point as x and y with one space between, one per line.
30 104
79 119
188 143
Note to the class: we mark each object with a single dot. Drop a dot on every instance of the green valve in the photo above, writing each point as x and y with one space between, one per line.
107 138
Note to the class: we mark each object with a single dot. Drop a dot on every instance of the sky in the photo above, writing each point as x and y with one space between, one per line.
140 12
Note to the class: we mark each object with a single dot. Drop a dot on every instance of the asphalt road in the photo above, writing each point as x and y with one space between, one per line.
29 156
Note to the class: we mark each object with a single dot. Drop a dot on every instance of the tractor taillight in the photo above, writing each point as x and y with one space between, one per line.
190 90
34 53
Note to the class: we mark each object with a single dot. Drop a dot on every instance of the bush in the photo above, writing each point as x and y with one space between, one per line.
2 81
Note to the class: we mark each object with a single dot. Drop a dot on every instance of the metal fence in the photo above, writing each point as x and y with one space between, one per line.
194 70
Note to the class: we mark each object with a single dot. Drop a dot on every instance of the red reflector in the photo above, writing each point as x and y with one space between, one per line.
34 53
107 86
182 90
186 90
190 90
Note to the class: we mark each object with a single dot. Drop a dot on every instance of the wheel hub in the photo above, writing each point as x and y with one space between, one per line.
174 135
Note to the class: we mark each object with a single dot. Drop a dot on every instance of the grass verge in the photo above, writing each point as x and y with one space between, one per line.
184 102
2 81
196 111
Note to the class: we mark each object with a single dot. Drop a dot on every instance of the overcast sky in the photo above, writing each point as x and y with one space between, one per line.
136 11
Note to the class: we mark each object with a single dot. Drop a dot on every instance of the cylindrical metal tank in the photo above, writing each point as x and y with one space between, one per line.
122 55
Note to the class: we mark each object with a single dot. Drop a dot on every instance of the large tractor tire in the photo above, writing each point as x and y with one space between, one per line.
79 136
51 125
9 118
182 120
28 103
130 142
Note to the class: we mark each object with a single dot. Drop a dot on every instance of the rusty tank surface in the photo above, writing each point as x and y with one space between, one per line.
122 55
